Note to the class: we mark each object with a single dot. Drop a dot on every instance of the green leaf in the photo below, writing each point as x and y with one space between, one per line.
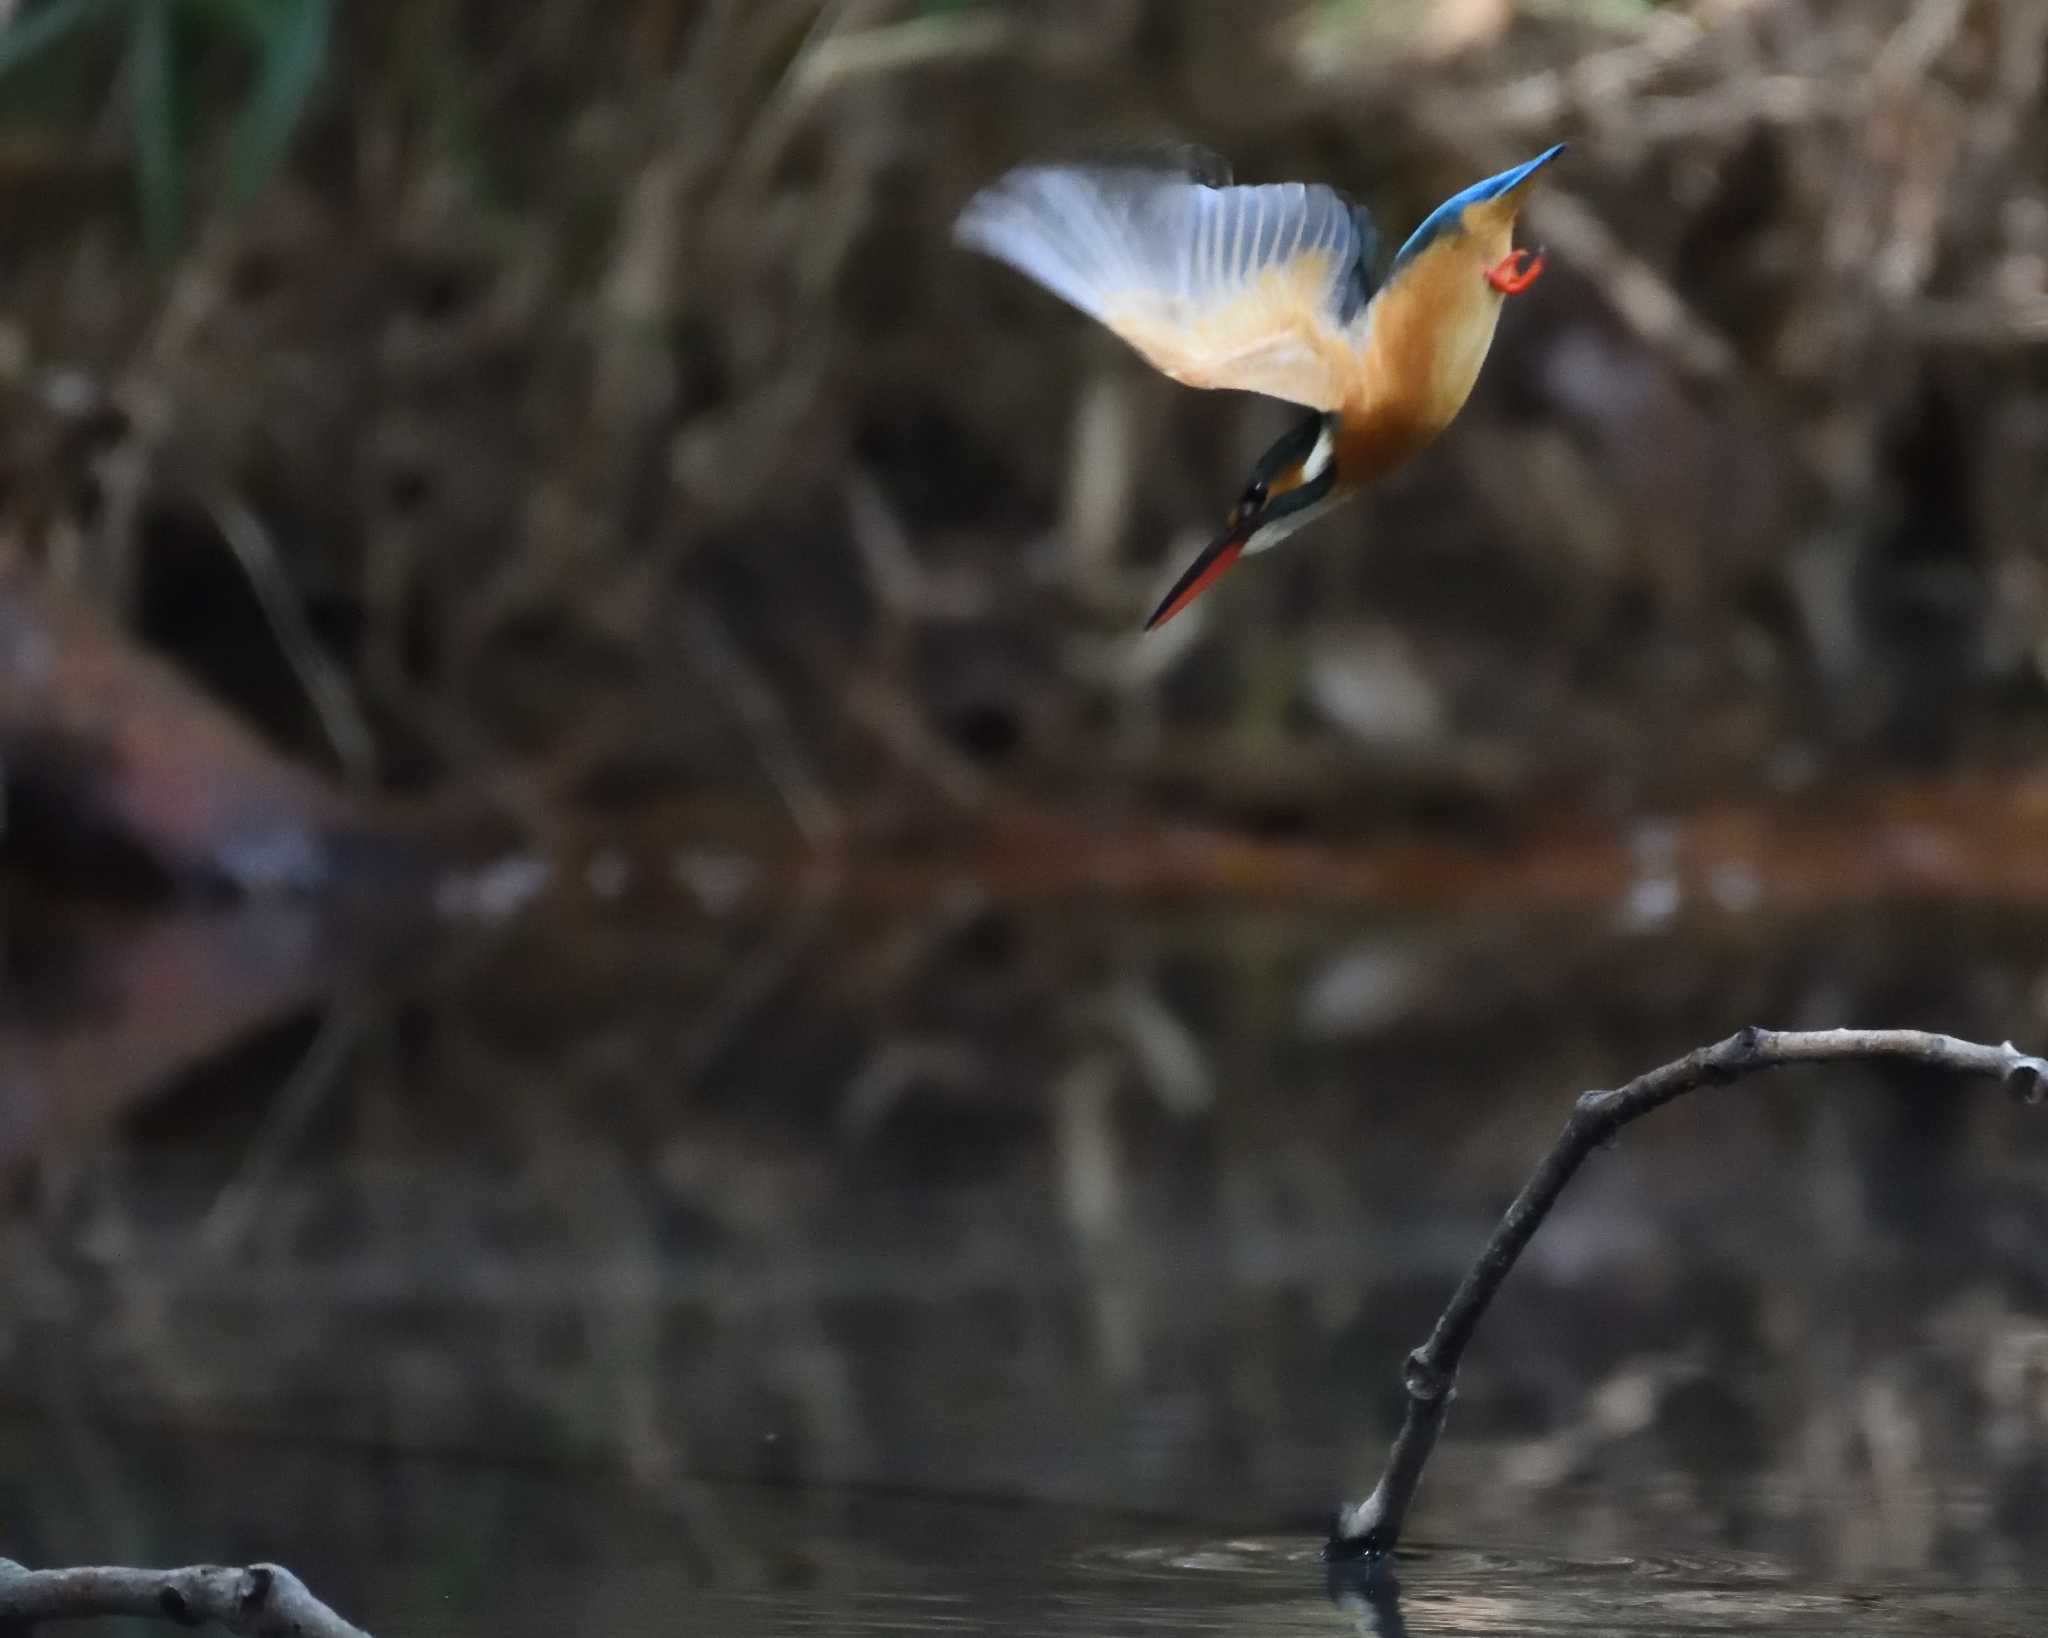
153 86
290 69
34 32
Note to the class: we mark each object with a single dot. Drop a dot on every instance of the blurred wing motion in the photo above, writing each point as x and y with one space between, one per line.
1258 288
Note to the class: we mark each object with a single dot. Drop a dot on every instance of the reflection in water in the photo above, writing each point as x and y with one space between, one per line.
1371 1594
100 1010
643 1276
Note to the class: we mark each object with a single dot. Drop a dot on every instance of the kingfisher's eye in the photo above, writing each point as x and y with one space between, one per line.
1254 497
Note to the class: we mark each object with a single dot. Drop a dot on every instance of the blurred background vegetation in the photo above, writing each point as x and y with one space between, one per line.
588 413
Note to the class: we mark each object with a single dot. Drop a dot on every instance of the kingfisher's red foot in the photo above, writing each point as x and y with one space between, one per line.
1510 277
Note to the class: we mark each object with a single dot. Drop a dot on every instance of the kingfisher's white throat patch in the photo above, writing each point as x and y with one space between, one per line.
1319 457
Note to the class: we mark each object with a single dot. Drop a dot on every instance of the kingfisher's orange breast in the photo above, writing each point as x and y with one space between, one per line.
1427 334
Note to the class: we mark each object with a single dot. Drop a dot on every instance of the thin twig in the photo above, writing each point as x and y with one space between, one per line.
1371 1528
1642 298
753 979
262 1600
891 48
761 715
327 687
226 1224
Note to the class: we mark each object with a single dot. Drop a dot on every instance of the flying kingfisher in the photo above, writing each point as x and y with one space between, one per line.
1272 289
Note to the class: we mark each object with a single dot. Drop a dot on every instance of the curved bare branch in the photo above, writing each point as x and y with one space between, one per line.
1371 1528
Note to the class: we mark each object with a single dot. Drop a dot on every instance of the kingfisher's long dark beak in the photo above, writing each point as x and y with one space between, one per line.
1204 572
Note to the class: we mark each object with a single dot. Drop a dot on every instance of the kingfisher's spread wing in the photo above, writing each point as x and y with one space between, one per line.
1258 288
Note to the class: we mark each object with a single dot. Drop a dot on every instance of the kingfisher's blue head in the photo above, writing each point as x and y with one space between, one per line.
1504 189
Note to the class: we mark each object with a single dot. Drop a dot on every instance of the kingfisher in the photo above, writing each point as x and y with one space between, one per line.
1273 289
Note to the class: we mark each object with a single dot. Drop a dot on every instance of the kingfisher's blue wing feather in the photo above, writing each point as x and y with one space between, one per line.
1257 288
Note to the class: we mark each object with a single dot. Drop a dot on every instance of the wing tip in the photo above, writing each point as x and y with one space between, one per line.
970 228
985 208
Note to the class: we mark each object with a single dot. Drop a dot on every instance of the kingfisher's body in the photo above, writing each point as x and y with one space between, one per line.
1271 289
1426 334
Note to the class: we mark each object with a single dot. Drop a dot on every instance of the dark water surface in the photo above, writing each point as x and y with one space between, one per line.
417 1547
1018 1271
